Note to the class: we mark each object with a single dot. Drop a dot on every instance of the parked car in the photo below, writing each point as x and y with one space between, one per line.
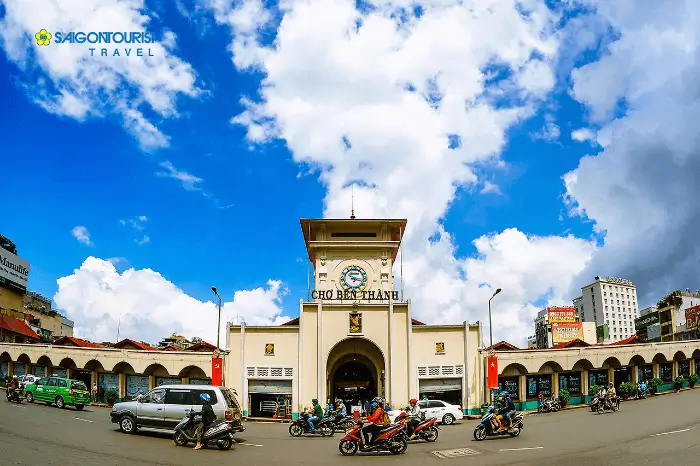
28 379
165 406
444 412
59 390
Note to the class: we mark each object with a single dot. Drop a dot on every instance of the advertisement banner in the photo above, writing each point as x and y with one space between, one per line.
566 331
654 332
217 371
14 271
561 314
647 320
691 317
493 372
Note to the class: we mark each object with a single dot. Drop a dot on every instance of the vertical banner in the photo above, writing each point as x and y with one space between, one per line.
217 371
493 372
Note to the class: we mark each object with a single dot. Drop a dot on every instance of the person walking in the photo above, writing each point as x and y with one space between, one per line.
94 392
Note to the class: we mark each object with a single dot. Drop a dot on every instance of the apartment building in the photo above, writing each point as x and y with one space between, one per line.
610 301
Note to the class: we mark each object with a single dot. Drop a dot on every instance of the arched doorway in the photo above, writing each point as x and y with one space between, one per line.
355 371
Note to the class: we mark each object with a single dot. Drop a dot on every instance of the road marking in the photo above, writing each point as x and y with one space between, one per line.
518 449
444 454
250 444
80 419
18 406
672 432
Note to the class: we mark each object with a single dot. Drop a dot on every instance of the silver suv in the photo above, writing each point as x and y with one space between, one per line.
164 407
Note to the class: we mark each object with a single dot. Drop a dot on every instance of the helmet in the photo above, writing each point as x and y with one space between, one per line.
338 401
505 393
314 401
205 397
413 401
378 400
14 376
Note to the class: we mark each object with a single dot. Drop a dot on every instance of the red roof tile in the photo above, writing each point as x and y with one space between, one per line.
568 344
17 326
137 344
79 342
498 346
202 346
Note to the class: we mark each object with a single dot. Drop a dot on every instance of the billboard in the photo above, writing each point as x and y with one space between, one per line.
566 331
647 320
561 314
692 317
654 332
14 271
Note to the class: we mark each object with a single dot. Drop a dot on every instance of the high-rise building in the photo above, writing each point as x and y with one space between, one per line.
611 301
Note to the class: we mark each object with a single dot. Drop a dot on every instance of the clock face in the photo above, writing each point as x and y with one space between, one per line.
353 278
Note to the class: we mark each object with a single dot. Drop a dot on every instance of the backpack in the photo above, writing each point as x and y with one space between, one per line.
385 419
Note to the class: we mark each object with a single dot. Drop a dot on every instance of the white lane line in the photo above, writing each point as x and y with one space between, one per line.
524 448
18 406
80 419
672 432
250 445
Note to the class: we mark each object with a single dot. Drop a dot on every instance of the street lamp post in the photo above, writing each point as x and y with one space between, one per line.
218 325
498 290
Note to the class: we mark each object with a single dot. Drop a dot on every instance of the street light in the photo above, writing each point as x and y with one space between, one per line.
498 290
218 326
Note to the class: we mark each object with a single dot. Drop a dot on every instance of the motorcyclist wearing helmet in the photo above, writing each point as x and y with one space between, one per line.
508 409
340 410
208 417
317 414
373 423
414 413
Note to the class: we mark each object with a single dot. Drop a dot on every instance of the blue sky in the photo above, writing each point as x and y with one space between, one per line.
237 226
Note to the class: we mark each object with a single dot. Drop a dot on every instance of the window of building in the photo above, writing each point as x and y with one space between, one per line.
645 372
684 368
666 371
510 385
606 308
570 381
537 384
599 378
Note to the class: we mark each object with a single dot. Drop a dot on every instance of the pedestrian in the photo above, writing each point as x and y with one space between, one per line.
366 408
94 392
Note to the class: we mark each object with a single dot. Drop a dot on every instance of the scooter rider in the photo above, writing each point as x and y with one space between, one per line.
316 416
373 423
208 417
508 409
340 410
12 387
413 413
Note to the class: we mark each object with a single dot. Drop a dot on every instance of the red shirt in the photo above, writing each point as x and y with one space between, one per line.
377 417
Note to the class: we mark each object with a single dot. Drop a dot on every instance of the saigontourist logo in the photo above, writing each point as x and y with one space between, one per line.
105 39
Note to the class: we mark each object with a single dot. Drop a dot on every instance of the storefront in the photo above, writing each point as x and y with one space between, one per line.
270 398
39 371
447 389
645 372
598 377
537 384
19 368
666 372
136 385
684 368
510 385
107 386
59 372
571 382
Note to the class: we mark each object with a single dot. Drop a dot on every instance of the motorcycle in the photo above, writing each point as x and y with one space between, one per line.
324 427
426 430
612 404
549 405
391 438
594 403
14 395
640 394
343 423
490 426
218 432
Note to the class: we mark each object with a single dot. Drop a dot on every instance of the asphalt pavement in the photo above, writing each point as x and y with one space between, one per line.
659 431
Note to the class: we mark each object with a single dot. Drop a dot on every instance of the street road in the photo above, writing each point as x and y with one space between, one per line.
657 431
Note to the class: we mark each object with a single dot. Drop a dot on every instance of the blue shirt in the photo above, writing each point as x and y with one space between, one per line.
343 411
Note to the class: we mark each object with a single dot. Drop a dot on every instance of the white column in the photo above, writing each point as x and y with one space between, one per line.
465 378
320 386
300 380
244 371
390 359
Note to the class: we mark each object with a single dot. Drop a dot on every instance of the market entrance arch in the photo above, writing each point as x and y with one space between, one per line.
356 371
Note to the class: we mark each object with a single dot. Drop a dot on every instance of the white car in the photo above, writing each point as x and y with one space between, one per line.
444 412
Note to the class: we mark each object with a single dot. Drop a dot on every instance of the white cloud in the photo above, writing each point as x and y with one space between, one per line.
82 234
582 134
490 188
145 239
150 307
396 91
550 131
642 189
64 79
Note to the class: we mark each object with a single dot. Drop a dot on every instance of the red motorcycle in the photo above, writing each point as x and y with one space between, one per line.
427 429
391 438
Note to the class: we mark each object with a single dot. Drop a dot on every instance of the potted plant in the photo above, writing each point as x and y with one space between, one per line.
564 397
627 389
655 383
693 379
592 391
111 396
679 383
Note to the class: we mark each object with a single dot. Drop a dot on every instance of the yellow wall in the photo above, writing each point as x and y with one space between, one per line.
11 300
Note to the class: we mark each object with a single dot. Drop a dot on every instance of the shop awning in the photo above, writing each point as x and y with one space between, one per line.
439 385
270 387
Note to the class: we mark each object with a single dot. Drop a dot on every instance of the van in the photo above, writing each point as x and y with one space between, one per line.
164 407
59 391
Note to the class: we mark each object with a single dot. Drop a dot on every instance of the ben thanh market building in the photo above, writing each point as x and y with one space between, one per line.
355 338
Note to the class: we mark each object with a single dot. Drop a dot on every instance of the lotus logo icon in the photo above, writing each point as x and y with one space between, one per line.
43 37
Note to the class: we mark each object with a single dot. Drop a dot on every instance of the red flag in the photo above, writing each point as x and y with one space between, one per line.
493 372
217 371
